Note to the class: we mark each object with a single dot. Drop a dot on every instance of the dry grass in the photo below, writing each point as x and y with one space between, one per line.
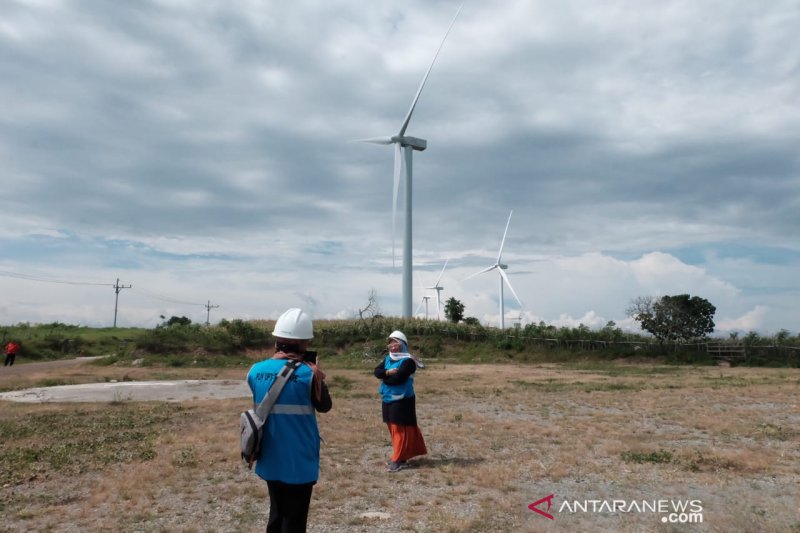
499 438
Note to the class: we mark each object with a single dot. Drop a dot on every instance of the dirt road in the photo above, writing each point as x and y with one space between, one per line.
117 390
29 368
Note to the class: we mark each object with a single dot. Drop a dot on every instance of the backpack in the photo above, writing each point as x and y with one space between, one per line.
251 422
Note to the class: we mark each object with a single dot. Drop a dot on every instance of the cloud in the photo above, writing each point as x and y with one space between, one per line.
753 320
204 153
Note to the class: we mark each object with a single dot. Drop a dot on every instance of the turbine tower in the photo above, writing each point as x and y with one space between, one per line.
404 145
503 277
438 288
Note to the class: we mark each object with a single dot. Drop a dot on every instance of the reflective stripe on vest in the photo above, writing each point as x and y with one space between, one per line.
281 409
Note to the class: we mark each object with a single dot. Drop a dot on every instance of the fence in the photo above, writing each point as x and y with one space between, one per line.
726 352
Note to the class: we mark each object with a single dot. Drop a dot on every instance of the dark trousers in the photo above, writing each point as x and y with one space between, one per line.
10 359
288 507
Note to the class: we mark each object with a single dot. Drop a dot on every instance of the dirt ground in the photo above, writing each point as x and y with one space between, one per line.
622 448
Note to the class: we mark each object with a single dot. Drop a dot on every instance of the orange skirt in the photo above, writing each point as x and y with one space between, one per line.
407 442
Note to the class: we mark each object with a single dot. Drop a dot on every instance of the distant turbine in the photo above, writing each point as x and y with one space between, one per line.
403 161
500 268
423 301
438 288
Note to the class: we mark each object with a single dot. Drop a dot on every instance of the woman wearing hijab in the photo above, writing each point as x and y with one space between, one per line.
396 372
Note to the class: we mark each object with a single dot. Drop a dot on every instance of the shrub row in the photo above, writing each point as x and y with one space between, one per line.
366 339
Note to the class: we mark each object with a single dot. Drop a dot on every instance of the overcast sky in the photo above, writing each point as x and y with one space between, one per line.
202 151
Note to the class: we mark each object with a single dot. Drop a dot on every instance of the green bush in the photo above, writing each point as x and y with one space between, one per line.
245 334
57 341
657 457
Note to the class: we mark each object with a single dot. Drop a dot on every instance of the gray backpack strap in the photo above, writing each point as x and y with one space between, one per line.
271 397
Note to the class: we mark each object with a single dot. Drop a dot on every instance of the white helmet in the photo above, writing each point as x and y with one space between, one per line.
399 335
294 324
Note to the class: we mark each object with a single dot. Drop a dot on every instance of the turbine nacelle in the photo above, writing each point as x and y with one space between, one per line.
414 142
504 267
403 140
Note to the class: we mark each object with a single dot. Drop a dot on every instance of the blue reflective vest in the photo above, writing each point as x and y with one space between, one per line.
290 446
393 393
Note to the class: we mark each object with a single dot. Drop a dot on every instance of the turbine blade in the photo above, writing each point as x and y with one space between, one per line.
398 168
441 273
375 140
509 286
503 242
425 78
487 269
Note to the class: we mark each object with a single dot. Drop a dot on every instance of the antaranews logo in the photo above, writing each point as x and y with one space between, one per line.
534 506
671 511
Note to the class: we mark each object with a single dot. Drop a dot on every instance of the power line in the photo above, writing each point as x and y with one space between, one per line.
117 288
166 299
46 280
149 294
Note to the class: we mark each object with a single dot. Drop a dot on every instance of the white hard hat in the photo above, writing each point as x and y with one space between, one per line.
294 324
399 335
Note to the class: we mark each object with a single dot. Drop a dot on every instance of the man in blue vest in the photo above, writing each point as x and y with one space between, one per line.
289 457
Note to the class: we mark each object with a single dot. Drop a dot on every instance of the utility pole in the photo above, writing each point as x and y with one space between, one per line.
209 307
117 288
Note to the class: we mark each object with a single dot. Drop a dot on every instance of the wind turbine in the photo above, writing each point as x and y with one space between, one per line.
503 278
438 288
425 301
404 145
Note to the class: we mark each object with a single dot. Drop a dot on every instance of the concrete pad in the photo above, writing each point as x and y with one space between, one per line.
135 391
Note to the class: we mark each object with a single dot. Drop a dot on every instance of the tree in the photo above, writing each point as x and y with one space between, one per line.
674 318
782 337
175 321
373 308
454 310
611 332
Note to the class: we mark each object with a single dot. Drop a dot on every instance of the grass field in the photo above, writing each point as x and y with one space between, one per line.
500 437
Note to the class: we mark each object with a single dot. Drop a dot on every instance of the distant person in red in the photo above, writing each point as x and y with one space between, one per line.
12 349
